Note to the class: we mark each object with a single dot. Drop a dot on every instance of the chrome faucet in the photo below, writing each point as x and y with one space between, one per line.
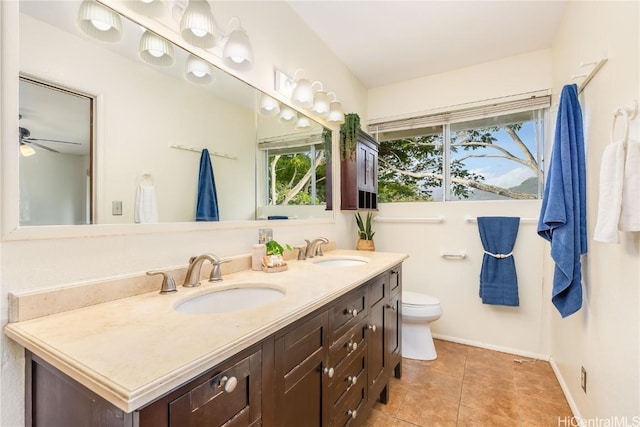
195 266
315 247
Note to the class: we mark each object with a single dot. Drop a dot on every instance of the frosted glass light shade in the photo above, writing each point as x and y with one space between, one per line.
155 50
302 95
321 103
336 115
287 115
237 52
99 22
26 150
303 123
198 71
268 105
150 8
196 24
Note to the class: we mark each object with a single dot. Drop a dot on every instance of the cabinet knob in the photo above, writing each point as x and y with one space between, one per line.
329 371
352 379
372 327
229 384
352 346
354 312
391 307
352 413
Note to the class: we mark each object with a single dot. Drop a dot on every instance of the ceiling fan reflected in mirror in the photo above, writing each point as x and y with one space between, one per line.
26 142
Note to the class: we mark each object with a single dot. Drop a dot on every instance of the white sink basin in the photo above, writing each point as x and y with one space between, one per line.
230 300
341 262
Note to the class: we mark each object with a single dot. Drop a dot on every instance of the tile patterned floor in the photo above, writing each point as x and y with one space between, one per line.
472 387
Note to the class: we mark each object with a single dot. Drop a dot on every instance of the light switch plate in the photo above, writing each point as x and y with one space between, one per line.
116 207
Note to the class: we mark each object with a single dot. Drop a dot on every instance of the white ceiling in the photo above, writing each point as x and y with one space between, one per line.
384 42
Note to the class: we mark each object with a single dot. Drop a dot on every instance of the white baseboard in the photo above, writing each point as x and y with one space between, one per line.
566 392
501 349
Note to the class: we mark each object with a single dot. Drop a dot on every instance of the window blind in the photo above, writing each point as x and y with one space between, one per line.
409 126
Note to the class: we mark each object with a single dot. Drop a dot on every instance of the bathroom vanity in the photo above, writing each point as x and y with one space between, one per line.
321 355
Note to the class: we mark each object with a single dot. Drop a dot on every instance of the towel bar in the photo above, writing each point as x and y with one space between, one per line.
474 219
436 219
447 255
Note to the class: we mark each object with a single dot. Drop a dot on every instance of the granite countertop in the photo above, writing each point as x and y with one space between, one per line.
133 350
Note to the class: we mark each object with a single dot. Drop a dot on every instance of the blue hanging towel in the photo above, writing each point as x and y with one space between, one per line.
563 215
207 206
498 279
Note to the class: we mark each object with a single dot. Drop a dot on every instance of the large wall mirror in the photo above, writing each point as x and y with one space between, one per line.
98 124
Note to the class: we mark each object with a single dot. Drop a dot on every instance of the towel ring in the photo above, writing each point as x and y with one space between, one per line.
145 178
616 114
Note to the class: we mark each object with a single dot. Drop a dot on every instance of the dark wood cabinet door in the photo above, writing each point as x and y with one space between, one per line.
392 335
301 356
359 176
375 343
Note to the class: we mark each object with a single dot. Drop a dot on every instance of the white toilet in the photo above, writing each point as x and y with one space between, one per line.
418 311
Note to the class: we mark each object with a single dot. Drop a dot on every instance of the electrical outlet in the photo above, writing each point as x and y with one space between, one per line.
583 378
116 207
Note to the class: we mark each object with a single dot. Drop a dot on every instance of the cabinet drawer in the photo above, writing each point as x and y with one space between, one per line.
348 311
395 278
349 408
224 399
348 376
347 345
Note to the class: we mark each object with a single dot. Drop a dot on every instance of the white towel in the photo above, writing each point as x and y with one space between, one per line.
630 215
610 200
146 208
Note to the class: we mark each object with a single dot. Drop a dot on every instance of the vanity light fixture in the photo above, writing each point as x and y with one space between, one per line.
287 115
197 25
99 22
268 105
26 150
198 71
150 8
320 101
302 95
156 50
237 52
336 114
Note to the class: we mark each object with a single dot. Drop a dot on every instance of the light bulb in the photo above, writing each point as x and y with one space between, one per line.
100 25
198 32
156 53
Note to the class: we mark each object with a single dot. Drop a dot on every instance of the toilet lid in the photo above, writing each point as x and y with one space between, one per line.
415 298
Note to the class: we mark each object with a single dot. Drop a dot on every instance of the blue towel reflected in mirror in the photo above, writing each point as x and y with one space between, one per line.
207 205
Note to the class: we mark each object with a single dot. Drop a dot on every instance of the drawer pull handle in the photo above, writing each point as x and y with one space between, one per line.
352 413
229 384
372 327
353 312
391 307
352 346
329 371
352 379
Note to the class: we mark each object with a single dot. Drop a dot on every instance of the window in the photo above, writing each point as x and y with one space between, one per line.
296 171
492 153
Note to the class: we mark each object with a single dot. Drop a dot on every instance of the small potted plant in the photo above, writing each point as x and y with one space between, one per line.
365 233
274 261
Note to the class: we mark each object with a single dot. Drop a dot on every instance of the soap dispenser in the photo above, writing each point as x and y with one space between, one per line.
258 252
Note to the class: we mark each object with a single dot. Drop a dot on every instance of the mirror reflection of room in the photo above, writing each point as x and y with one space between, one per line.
55 155
152 119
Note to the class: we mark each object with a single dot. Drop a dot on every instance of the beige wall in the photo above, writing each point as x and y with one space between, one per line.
456 283
603 336
39 263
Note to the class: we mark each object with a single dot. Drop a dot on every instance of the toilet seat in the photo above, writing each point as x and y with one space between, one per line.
417 299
